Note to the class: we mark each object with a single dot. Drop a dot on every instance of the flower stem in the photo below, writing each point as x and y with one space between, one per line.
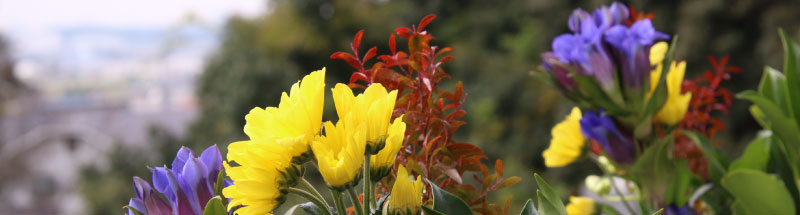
621 196
367 186
313 191
311 198
356 202
337 200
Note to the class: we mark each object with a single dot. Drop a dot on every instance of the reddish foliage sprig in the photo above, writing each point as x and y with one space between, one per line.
636 16
708 96
432 115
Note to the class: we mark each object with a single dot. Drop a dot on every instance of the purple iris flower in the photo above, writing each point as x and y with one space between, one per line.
675 210
601 128
632 45
585 48
187 186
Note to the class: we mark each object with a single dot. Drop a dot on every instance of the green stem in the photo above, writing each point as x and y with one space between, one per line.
311 198
337 200
313 191
621 197
356 203
374 202
367 186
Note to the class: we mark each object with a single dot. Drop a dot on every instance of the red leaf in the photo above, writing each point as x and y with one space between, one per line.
498 167
444 50
452 173
445 59
464 149
358 86
356 76
357 41
350 59
392 44
371 53
459 92
403 32
425 21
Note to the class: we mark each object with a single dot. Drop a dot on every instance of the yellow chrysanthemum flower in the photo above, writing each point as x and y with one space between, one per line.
567 142
580 206
381 163
676 105
340 154
373 108
406 198
296 120
262 171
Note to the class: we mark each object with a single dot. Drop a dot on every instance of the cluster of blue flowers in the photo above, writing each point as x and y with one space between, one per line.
188 186
601 43
616 57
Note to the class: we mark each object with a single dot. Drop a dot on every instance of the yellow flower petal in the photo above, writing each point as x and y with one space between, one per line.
381 163
580 206
256 179
567 142
296 120
406 195
340 153
373 108
676 104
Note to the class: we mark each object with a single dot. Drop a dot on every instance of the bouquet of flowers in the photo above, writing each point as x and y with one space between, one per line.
649 130
401 125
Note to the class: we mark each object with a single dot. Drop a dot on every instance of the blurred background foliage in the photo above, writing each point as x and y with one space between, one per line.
496 45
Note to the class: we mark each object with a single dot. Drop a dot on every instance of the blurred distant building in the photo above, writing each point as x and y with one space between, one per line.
67 110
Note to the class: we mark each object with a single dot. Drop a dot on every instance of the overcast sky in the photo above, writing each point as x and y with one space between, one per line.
47 14
32 25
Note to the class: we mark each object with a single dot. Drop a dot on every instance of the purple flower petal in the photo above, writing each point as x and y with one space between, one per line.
559 71
575 20
601 128
140 186
180 159
136 203
193 182
212 159
155 205
164 182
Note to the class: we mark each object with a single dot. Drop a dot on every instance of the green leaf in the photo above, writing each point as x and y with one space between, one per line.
215 207
659 211
529 208
785 169
791 68
654 170
756 156
431 211
220 185
759 116
135 212
310 208
782 124
716 161
773 87
758 192
552 202
545 207
590 91
446 202
676 193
